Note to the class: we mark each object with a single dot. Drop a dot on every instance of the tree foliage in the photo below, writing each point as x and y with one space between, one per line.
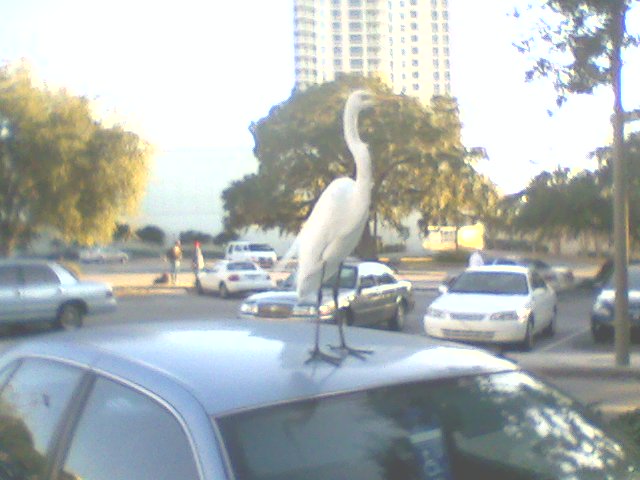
151 234
61 169
416 152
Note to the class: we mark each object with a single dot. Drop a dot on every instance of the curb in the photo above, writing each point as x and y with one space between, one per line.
140 291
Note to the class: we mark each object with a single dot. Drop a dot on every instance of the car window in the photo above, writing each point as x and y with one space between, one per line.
501 426
260 247
123 433
367 281
235 266
494 283
386 278
32 404
39 275
9 276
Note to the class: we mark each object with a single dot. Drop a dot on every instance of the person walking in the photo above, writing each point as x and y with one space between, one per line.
476 260
197 263
174 255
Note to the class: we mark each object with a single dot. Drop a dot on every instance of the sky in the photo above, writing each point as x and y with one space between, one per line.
191 76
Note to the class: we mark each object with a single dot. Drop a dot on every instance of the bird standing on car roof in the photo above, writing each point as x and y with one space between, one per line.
337 221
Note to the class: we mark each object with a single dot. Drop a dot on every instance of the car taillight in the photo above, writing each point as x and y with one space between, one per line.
234 278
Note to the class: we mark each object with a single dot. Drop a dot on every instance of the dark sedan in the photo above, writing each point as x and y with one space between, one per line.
369 294
602 314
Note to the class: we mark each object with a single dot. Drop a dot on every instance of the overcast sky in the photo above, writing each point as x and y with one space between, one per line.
190 76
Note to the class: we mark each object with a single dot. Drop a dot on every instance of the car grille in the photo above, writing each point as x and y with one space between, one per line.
274 310
466 316
466 334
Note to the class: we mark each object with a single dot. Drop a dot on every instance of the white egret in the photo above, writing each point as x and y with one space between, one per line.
338 218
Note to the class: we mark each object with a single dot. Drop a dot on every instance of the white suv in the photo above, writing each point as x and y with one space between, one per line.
260 253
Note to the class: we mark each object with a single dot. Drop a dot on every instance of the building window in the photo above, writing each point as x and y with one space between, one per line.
416 87
414 50
434 27
355 38
355 3
335 3
434 38
337 51
436 76
435 51
414 26
356 63
355 51
337 64
336 25
414 14
355 26
335 14
415 75
355 14
337 39
434 15
436 63
414 63
436 89
414 38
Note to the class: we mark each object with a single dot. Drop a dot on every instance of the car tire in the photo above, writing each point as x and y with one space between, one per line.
529 339
550 330
398 320
224 291
70 317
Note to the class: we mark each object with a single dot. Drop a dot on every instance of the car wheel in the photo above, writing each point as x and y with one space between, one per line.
397 321
224 291
69 317
550 330
527 342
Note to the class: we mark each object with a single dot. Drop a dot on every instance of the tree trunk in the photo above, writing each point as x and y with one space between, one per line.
366 249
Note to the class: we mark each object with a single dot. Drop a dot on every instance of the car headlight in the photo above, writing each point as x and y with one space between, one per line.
435 313
511 315
304 311
602 308
326 309
249 308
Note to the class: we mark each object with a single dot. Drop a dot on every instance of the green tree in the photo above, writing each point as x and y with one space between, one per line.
300 148
151 234
61 169
584 40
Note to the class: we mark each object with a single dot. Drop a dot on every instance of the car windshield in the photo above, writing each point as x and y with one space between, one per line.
235 266
496 283
260 247
348 278
500 426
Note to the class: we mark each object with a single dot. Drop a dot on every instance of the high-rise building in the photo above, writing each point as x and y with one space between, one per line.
404 42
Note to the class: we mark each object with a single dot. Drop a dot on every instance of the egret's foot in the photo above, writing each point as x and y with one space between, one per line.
318 355
356 352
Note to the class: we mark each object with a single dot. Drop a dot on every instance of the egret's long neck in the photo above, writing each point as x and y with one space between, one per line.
357 147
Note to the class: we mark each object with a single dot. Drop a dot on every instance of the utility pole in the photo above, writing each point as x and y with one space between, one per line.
620 196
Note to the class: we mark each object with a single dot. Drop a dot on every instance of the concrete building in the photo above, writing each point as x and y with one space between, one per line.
404 42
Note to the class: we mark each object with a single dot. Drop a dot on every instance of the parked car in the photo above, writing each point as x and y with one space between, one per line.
43 291
494 304
558 277
602 313
226 278
369 294
238 400
103 255
260 253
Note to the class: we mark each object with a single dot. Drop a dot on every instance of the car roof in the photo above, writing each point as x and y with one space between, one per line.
500 269
241 364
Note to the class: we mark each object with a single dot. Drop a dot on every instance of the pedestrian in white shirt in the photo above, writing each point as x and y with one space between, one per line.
475 259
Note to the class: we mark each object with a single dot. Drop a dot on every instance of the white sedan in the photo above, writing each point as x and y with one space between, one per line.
227 277
494 304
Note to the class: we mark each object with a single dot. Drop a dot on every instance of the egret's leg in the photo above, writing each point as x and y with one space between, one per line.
356 352
316 353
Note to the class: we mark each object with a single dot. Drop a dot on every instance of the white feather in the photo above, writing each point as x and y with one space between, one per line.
335 225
